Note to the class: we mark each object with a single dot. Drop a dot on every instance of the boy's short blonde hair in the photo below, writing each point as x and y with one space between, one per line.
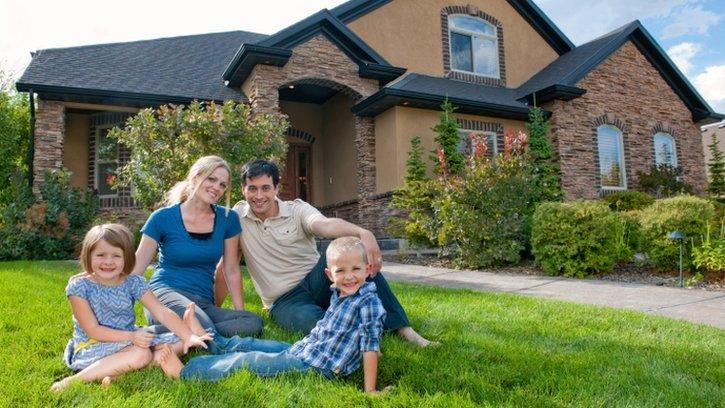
346 244
116 235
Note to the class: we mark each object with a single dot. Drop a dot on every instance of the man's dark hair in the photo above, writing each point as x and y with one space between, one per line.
260 167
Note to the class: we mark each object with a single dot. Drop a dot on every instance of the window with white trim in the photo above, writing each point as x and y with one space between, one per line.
474 45
611 158
465 146
665 152
106 163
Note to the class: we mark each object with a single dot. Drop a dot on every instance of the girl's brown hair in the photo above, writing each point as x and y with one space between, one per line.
117 236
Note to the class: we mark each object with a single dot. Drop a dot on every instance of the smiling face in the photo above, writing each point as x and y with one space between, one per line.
107 262
212 188
348 271
259 192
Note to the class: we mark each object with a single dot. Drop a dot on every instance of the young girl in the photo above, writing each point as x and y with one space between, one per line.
106 342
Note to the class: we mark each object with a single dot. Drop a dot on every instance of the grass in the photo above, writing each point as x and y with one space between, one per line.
498 350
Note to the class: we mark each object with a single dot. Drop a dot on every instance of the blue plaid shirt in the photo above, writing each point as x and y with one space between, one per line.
351 326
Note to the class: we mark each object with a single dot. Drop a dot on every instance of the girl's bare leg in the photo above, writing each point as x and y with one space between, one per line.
129 359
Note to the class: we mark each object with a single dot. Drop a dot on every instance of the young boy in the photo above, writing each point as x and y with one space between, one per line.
349 332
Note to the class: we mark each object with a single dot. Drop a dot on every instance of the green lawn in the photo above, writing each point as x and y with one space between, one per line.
498 350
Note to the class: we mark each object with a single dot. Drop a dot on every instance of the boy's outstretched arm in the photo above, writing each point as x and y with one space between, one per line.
370 371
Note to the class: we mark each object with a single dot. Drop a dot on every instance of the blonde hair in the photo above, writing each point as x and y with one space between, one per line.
116 235
344 245
201 169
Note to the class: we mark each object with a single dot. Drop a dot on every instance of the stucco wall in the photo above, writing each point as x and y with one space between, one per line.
75 155
396 127
339 155
628 90
407 33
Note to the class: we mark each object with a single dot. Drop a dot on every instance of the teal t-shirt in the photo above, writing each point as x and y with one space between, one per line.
187 263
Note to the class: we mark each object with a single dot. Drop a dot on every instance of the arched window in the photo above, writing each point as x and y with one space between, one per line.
474 45
665 152
611 158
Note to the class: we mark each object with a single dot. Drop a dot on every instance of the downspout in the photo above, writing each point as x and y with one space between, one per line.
31 145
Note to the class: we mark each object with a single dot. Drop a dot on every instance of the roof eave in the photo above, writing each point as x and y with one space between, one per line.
108 97
384 73
389 97
250 55
557 91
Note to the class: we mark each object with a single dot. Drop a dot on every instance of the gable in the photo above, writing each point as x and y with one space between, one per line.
408 33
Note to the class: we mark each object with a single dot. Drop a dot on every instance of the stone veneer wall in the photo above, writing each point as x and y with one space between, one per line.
627 90
319 61
376 215
48 141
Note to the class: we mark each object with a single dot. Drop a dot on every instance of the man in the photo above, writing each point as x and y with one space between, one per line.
278 243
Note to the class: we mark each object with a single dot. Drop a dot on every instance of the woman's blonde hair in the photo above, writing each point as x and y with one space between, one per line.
116 235
200 170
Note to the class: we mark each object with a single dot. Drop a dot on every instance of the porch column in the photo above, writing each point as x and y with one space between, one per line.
48 142
263 90
365 151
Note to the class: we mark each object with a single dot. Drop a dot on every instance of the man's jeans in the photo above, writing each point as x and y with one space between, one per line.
305 304
265 358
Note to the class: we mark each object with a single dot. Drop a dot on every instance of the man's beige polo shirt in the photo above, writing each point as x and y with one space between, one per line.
279 251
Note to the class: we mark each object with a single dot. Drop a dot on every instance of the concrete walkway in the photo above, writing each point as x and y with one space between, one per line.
697 306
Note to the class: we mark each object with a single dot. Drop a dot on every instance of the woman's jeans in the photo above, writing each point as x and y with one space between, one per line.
226 322
265 358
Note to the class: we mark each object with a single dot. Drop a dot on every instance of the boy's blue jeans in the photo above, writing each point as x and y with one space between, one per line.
265 358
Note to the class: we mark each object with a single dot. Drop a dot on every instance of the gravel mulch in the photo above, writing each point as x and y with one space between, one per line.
629 272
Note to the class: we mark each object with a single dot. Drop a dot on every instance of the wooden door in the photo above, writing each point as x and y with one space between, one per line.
296 178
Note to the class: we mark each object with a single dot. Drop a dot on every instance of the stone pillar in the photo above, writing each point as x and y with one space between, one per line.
263 90
365 151
49 134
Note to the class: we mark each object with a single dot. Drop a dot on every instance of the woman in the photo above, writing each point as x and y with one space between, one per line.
191 233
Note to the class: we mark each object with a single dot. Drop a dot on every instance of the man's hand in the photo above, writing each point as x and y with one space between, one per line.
375 258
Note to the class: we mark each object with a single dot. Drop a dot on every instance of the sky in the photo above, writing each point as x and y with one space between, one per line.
691 31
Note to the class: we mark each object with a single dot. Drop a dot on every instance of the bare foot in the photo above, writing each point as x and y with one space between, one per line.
106 381
412 336
191 321
61 385
168 360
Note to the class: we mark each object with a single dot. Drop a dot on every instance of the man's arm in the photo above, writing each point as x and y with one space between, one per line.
336 228
370 371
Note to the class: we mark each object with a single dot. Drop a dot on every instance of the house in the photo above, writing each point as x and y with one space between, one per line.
718 129
360 80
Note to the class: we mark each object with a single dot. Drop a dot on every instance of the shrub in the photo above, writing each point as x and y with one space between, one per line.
628 200
166 142
448 139
663 181
546 169
711 254
716 188
687 214
14 136
49 228
486 215
576 238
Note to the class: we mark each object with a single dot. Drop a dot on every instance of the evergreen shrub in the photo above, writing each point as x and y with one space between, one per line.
576 238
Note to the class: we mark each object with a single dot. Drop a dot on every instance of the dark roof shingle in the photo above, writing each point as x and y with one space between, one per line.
182 67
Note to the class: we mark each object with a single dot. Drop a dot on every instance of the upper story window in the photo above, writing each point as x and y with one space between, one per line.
611 158
665 152
474 45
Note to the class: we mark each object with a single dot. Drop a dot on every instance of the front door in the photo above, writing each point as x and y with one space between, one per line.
296 177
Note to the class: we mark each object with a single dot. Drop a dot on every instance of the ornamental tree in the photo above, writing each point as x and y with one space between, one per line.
165 143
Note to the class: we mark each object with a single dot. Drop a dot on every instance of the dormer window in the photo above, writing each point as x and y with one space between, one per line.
474 46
